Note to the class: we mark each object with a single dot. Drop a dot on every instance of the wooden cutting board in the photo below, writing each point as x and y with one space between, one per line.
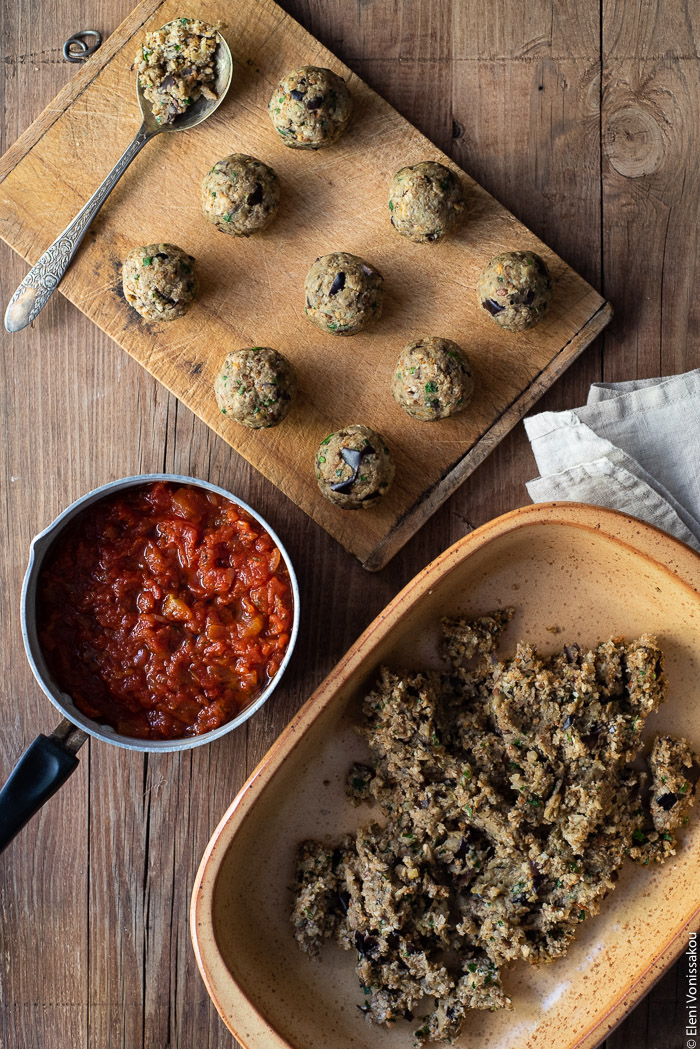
252 290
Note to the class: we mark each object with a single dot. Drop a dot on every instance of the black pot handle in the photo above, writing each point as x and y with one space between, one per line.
44 767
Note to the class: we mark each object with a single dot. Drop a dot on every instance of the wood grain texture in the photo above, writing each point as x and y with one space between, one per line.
93 916
251 290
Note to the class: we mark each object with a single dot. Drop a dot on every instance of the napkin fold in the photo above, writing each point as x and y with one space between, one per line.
634 446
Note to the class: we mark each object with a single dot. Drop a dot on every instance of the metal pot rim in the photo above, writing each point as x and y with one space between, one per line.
39 547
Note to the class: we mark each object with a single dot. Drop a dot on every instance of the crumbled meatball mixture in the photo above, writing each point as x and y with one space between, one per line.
508 803
310 107
671 790
176 65
358 783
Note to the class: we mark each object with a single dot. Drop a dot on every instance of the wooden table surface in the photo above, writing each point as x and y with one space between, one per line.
581 117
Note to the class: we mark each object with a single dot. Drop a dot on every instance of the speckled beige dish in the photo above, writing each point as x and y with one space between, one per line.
573 572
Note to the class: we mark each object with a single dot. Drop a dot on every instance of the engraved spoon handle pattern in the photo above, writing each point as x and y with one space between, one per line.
44 277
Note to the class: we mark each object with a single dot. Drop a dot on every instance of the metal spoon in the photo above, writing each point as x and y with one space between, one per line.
39 284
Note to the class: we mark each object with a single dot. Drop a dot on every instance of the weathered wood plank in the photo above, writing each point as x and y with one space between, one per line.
650 188
650 197
529 131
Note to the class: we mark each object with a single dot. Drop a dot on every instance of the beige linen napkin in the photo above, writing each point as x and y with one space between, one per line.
635 446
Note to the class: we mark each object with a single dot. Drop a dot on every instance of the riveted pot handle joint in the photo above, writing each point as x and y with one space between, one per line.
44 767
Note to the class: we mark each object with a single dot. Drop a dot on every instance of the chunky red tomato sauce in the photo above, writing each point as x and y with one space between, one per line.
164 611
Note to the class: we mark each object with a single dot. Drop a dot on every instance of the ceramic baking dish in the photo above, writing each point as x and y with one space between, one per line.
573 572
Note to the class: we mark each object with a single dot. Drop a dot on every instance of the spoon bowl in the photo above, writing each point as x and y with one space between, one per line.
203 107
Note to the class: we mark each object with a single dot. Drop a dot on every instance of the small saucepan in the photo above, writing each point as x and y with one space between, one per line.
50 760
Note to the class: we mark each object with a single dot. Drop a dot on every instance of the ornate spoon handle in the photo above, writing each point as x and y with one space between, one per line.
39 284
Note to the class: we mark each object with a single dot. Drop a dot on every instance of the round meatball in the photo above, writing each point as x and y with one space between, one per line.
310 107
432 379
240 195
425 201
255 387
515 289
343 293
159 281
354 467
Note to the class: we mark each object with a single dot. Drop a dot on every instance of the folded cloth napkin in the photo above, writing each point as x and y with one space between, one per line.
635 446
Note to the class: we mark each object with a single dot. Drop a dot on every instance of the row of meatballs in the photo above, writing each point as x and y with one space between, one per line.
310 108
343 293
354 467
432 378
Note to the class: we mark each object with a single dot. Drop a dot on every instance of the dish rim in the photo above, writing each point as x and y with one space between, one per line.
671 555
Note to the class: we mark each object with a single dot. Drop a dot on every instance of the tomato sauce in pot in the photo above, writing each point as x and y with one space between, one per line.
164 610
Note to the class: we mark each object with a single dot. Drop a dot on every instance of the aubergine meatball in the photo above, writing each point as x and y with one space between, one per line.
343 293
256 387
240 195
354 468
310 107
425 201
515 289
159 281
432 379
